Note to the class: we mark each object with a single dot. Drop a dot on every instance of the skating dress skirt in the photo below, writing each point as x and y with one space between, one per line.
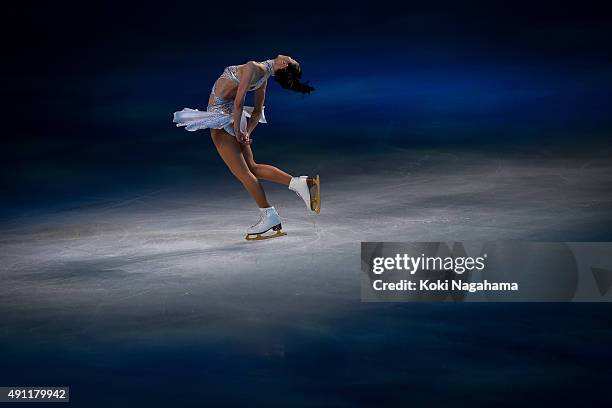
218 114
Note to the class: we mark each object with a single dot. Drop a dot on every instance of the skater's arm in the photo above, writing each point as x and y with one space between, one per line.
246 75
259 97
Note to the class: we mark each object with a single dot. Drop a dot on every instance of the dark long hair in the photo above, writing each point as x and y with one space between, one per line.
289 78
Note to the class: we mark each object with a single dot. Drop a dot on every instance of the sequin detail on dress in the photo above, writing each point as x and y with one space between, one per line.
218 114
231 73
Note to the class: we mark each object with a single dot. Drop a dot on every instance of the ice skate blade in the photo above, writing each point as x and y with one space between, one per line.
315 201
261 237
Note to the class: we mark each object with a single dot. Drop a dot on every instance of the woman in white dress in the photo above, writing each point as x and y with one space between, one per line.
231 125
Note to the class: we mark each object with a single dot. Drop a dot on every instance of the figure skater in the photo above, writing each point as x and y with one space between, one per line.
231 125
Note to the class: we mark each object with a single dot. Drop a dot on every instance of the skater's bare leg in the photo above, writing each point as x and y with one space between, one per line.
229 150
264 171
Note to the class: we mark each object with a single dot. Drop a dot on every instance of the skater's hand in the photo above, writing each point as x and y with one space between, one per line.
244 138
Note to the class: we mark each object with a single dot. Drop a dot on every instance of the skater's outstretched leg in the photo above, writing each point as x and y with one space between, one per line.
267 171
229 150
308 188
264 171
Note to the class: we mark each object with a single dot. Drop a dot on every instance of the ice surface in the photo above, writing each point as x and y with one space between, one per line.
182 251
171 266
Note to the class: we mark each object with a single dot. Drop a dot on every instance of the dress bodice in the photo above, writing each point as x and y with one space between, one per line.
231 73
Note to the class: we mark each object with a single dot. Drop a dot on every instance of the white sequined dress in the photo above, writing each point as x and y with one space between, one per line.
218 115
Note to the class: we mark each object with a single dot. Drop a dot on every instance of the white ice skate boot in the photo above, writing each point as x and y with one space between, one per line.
269 220
311 195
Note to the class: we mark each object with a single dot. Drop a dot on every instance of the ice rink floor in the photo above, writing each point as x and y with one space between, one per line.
160 288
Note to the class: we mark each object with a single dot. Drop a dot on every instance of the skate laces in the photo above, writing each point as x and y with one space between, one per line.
261 218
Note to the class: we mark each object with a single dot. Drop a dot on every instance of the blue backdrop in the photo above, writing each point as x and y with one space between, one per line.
92 88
